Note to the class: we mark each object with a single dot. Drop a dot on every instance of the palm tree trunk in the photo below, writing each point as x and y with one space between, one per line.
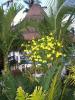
5 63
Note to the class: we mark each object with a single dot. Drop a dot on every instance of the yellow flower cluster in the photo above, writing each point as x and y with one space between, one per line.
45 49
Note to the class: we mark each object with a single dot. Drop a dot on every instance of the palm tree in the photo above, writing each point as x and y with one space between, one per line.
8 33
57 14
54 24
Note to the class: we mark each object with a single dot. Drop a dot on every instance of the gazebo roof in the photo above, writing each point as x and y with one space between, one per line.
30 34
35 13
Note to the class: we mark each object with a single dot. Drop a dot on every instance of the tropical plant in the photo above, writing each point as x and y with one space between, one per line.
53 91
8 33
7 36
9 86
44 50
38 94
54 21
20 94
71 76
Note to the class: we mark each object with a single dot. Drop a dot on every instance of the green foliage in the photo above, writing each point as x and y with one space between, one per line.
8 33
10 84
71 76
20 94
46 26
54 91
46 45
47 78
9 88
38 94
25 81
59 17
68 94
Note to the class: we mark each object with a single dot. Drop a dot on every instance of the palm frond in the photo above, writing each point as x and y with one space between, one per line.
60 14
71 77
46 80
54 91
38 94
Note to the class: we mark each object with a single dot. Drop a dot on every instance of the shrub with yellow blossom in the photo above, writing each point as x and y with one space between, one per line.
44 50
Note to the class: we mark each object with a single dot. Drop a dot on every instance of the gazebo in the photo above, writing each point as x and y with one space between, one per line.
36 13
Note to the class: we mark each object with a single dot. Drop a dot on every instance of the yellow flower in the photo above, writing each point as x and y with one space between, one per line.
47 37
34 48
36 59
52 38
40 60
59 44
34 56
38 56
33 40
44 61
51 45
42 46
53 51
34 43
58 54
25 50
22 45
51 58
48 55
51 33
43 39
46 47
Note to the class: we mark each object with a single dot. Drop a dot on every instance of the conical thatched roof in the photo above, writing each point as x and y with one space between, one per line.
30 34
35 13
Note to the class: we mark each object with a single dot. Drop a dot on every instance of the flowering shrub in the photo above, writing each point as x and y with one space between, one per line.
44 50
